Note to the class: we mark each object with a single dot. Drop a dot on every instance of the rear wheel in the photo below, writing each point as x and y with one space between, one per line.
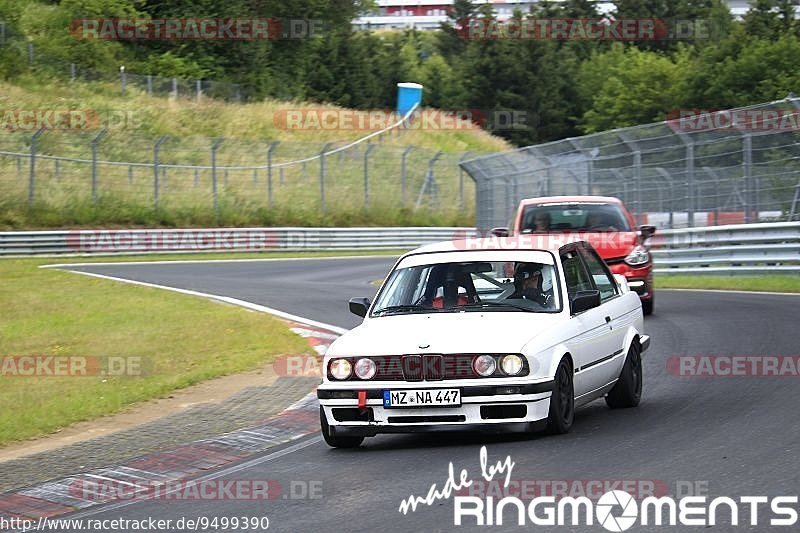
648 305
628 390
336 441
562 402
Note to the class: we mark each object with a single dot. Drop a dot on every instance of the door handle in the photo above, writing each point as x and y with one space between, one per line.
608 319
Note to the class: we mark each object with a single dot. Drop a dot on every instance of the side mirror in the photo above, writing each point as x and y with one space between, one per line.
359 306
499 232
647 231
583 300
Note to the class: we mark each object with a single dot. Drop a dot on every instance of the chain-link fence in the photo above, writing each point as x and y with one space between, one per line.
123 81
700 168
58 168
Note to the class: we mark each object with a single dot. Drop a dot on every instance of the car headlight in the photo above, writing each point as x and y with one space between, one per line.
638 256
484 365
341 368
365 368
511 364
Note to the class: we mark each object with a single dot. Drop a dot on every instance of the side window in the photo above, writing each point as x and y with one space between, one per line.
600 275
574 274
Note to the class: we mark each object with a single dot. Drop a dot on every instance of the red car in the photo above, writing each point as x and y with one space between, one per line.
605 223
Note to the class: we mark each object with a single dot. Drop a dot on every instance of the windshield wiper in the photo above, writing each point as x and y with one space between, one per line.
402 308
494 304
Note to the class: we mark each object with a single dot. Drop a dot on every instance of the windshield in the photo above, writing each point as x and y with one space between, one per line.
470 286
573 217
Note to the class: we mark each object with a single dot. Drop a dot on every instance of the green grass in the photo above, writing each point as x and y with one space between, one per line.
181 340
63 193
738 283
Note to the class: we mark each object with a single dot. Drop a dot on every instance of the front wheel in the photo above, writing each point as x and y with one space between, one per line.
628 390
562 401
336 441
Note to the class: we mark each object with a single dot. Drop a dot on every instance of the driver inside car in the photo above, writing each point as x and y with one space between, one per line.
530 284
448 287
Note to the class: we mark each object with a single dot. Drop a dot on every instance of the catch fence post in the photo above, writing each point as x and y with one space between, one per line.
156 149
95 143
32 174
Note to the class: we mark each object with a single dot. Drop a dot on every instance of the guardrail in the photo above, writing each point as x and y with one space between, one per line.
735 249
162 241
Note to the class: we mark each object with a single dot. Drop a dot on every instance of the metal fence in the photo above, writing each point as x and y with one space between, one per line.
700 168
772 248
121 80
57 168
165 241
735 249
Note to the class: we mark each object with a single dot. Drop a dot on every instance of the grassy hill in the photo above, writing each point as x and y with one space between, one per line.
125 193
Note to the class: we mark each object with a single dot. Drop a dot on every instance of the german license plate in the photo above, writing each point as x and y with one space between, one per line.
422 398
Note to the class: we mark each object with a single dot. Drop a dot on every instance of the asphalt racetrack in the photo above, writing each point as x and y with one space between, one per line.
729 436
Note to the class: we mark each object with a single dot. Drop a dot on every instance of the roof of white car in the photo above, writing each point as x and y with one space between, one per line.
526 242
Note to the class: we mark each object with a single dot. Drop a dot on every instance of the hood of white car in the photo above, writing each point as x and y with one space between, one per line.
490 332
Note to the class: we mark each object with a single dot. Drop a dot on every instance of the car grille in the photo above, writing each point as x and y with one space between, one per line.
424 367
427 367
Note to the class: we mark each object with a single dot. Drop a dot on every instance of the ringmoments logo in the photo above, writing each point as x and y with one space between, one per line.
615 510
605 510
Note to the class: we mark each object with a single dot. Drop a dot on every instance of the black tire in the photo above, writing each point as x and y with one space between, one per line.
648 305
562 402
628 390
335 441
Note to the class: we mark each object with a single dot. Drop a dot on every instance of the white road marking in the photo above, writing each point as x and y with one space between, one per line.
734 292
226 299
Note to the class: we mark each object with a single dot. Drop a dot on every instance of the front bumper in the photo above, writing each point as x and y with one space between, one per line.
640 280
483 407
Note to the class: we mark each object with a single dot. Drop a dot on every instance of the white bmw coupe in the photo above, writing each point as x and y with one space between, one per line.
494 334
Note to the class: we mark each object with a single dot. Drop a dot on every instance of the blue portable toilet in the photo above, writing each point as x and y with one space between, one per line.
408 96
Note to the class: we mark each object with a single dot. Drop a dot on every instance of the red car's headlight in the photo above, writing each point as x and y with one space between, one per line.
639 256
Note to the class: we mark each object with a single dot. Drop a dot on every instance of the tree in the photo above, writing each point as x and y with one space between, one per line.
628 86
768 19
761 70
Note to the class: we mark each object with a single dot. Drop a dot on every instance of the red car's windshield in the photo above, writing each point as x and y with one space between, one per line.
573 217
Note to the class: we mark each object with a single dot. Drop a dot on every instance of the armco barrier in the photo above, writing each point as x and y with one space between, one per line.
161 241
734 249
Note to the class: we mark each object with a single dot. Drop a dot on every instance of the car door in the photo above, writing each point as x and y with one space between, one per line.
613 311
593 341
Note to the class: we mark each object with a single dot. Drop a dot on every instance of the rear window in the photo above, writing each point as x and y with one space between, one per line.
573 217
